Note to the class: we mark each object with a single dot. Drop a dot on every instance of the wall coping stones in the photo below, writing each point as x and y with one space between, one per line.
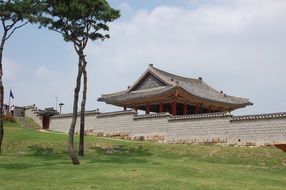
32 107
29 107
106 114
71 114
259 116
200 116
156 115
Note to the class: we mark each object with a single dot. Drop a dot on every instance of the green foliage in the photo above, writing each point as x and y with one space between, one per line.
14 11
8 118
117 164
14 14
78 20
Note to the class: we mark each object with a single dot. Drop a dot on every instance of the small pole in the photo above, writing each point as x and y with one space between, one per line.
56 102
9 100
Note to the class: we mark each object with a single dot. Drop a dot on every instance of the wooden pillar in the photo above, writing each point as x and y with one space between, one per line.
185 108
209 109
174 107
161 108
147 109
197 109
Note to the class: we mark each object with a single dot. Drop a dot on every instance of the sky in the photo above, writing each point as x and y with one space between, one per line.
237 46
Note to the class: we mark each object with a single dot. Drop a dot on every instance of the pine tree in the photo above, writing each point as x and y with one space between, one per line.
78 22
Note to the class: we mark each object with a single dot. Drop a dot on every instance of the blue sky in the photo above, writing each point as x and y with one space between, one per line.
236 46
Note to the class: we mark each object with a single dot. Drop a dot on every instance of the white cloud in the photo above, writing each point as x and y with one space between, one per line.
125 10
10 69
43 72
237 46
125 7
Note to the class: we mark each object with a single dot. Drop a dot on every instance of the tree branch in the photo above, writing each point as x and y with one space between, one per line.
67 29
16 29
3 24
76 48
57 31
11 25
85 40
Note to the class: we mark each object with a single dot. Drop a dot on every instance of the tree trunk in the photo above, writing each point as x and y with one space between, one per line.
82 112
71 150
1 90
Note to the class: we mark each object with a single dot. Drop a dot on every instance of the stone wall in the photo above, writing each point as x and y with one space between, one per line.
113 123
30 111
202 128
261 129
19 111
213 128
61 123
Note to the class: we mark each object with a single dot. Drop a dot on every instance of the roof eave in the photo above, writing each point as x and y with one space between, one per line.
238 105
109 100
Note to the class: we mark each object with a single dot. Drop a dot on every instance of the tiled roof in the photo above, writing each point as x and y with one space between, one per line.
195 87
133 95
91 112
200 116
259 116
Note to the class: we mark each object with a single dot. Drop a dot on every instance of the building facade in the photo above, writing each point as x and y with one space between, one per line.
158 91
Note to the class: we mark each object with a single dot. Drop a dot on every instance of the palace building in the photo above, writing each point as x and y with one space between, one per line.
159 91
178 110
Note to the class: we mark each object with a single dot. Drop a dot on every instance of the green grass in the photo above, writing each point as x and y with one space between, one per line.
32 123
36 160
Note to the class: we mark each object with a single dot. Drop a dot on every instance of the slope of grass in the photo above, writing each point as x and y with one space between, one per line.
35 160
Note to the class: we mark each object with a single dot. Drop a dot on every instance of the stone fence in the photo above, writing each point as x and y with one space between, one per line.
213 128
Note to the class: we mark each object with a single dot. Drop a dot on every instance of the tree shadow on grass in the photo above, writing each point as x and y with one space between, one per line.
14 166
47 156
38 150
47 153
121 154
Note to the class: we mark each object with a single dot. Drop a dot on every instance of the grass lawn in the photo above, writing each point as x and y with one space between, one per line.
37 160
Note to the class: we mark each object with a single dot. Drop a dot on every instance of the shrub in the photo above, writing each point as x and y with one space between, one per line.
8 118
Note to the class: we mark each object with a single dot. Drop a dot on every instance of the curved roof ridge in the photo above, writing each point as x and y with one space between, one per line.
113 94
224 94
203 90
175 77
230 96
164 76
